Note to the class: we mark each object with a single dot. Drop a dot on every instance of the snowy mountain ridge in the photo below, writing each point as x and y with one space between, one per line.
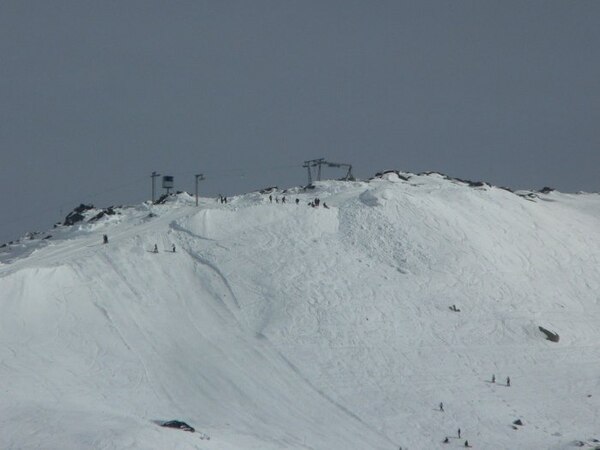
283 326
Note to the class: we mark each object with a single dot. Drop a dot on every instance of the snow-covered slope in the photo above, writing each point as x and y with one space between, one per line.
282 326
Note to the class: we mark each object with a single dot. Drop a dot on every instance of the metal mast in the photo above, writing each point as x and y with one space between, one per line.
199 177
313 163
153 176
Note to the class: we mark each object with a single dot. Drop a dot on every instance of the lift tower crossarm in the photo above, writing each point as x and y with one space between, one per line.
349 166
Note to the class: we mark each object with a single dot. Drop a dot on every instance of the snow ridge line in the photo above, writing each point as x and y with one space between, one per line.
216 270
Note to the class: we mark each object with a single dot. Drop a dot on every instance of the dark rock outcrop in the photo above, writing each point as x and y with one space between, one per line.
110 211
554 337
163 199
398 174
178 424
77 214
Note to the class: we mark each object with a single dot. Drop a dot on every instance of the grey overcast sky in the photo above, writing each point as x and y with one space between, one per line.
95 95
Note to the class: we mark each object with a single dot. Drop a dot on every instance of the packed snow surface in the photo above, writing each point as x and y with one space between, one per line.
284 326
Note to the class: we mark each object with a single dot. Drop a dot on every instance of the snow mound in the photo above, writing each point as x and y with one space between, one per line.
286 326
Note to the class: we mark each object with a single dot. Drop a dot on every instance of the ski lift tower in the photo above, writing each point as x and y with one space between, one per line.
313 163
321 162
167 183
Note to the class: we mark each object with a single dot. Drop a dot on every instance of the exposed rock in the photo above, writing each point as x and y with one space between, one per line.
554 337
471 183
178 424
76 215
546 190
163 199
110 211
527 195
518 422
398 174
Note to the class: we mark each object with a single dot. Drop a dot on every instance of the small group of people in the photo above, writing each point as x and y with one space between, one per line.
277 199
155 250
447 439
222 199
441 406
314 203
507 380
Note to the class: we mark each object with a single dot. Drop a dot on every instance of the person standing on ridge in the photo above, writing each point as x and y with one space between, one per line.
493 378
459 433
508 381
173 248
441 407
155 248
105 239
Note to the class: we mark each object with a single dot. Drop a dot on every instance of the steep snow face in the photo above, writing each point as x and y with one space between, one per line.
280 326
